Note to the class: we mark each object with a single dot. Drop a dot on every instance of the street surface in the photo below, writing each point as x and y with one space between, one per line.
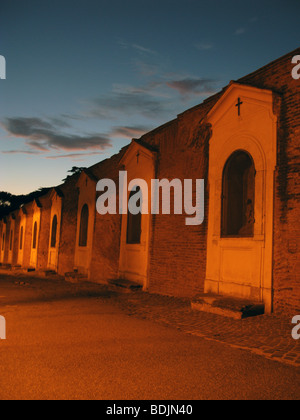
90 348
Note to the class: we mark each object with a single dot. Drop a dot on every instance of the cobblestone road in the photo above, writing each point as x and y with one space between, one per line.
269 336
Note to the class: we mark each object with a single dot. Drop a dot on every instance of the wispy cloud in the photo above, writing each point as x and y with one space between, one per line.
19 152
146 69
128 132
137 47
246 26
143 49
193 86
204 46
73 156
128 102
240 31
43 136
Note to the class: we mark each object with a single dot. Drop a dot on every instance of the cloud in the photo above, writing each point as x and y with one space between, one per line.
42 136
137 47
193 86
146 69
19 152
240 31
130 102
143 49
60 122
129 132
153 100
75 156
204 46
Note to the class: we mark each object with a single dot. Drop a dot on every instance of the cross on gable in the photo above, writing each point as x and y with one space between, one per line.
238 105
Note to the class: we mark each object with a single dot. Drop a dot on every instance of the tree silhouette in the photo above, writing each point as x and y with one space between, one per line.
10 202
76 170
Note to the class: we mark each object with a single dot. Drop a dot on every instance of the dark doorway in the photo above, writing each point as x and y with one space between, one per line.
134 221
238 196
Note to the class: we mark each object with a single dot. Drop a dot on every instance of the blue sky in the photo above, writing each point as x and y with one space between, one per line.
86 76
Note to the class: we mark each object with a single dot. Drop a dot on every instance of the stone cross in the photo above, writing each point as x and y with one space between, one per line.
239 106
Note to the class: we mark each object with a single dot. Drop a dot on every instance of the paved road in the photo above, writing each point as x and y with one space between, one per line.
87 348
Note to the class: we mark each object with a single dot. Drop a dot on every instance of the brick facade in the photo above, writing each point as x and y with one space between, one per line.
177 260
286 274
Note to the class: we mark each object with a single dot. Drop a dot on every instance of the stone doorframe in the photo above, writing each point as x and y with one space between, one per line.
242 267
56 198
139 162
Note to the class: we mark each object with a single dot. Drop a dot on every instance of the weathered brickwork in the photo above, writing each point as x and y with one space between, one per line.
44 233
28 236
68 226
182 155
286 274
107 229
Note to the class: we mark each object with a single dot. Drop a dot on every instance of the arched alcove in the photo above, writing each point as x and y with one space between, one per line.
134 221
34 240
54 232
84 224
238 196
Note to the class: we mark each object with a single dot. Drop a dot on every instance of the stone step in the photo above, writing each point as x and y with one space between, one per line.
16 267
235 308
6 266
49 273
75 277
125 285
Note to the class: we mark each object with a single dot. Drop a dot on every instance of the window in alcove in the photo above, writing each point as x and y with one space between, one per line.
34 236
134 222
84 223
238 195
54 232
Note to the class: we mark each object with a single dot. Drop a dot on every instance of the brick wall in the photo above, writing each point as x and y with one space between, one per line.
183 147
16 240
177 251
107 229
44 233
68 226
28 235
286 277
